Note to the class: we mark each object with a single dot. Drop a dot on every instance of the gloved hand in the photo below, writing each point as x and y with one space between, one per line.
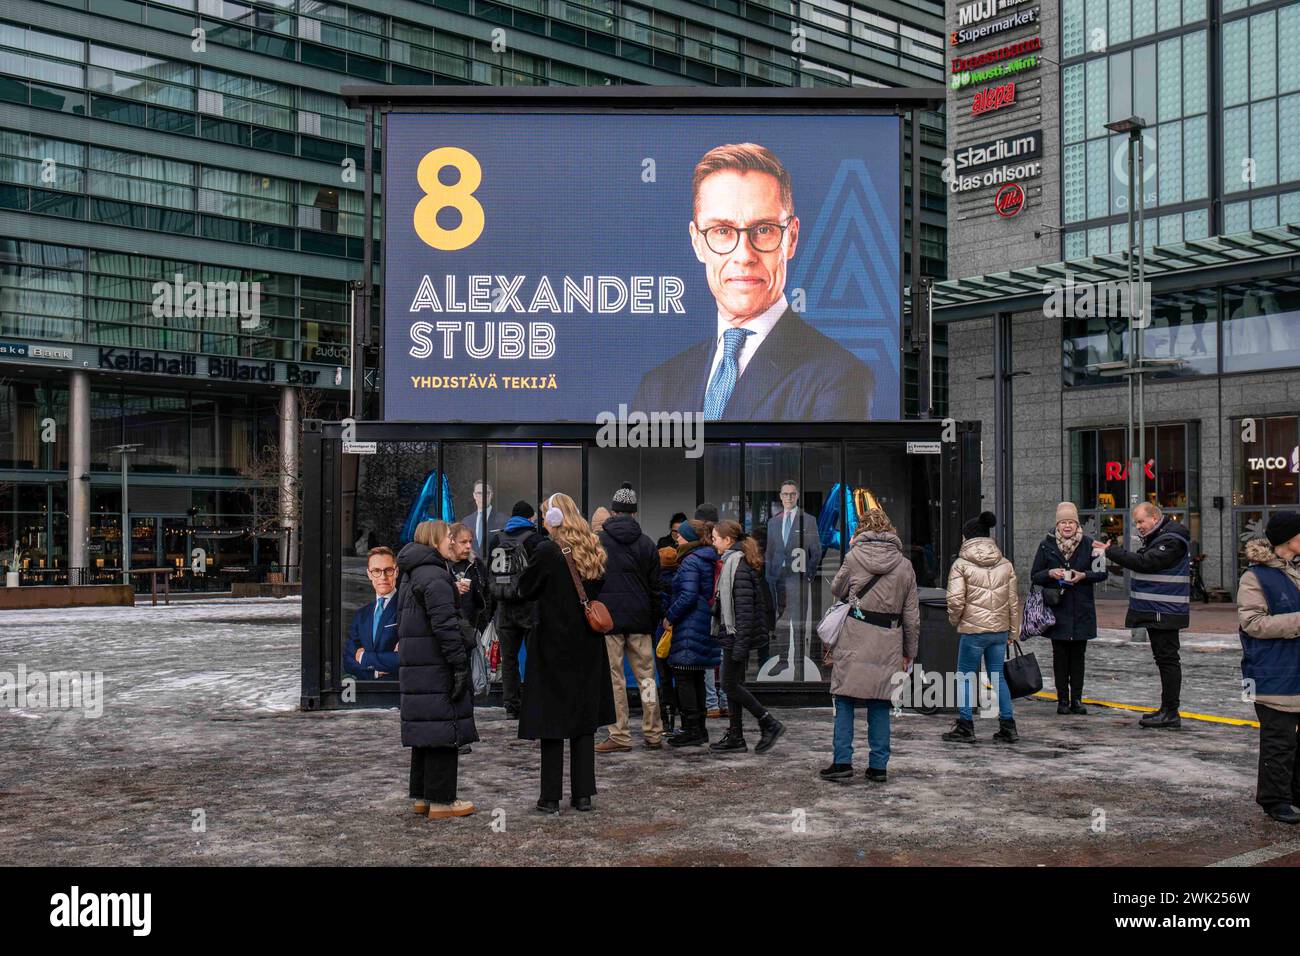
459 682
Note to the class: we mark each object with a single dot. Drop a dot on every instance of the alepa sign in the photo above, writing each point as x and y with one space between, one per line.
994 98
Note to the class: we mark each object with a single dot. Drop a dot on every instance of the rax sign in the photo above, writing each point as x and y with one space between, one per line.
1116 470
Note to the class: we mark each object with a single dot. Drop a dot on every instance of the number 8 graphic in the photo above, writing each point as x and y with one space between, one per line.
459 197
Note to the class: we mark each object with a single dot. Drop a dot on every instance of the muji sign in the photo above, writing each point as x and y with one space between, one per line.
1118 470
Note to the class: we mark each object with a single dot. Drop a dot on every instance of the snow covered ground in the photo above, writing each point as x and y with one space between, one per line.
200 756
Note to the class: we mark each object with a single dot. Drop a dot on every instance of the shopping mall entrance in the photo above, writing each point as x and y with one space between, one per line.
790 485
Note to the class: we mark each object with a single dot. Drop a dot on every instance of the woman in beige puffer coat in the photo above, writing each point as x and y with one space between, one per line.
875 645
984 607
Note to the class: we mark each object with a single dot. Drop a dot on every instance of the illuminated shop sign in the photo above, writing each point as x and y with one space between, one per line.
984 10
994 72
1118 470
995 177
1277 462
1009 200
962 64
994 98
970 34
995 152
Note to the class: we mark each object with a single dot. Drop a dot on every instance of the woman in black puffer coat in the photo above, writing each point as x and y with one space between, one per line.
437 707
744 620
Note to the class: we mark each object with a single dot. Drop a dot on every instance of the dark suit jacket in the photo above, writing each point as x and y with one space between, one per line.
492 523
378 654
797 374
777 559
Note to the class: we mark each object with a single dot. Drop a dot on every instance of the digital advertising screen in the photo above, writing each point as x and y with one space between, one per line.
547 266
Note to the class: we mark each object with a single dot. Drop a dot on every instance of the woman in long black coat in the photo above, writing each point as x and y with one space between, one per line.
568 693
1064 564
437 706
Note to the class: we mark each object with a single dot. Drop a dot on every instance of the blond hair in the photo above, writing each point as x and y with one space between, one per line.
875 519
575 534
431 534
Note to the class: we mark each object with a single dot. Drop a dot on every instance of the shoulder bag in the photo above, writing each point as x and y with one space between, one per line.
832 623
598 617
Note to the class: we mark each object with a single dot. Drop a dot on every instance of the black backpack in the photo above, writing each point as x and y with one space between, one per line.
509 562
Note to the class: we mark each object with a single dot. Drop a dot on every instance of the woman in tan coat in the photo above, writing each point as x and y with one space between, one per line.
879 641
984 606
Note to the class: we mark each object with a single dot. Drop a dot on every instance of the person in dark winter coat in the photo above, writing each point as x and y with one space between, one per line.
1268 618
471 579
744 618
514 617
567 693
631 593
691 615
668 541
437 707
1064 564
668 708
1159 599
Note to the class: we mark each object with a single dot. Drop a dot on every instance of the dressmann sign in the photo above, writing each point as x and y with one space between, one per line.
546 266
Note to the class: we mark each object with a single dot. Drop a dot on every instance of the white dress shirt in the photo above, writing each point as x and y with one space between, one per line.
761 327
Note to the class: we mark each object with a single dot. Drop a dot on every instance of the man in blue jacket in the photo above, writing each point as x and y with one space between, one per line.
371 649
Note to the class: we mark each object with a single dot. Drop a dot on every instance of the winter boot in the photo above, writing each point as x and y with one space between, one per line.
1007 733
876 776
1076 707
1163 718
1062 707
963 732
731 741
693 733
769 728
837 771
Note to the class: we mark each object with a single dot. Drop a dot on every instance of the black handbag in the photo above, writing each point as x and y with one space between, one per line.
1021 672
1051 595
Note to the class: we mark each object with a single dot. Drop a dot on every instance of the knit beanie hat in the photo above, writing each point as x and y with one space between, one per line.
687 532
624 500
979 527
707 512
1066 511
1282 526
522 509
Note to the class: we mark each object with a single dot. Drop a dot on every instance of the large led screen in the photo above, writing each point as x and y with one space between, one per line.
554 266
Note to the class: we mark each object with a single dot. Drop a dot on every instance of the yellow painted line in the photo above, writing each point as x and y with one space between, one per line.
1209 718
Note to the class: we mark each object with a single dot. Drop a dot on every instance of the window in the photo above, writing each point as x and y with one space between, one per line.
1261 327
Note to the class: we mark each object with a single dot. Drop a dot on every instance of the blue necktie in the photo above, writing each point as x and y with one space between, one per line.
724 379
374 625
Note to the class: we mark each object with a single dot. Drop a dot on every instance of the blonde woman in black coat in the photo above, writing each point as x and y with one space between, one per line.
437 707
568 692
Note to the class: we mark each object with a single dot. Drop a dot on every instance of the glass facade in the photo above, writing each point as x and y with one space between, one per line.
124 164
1244 327
1121 59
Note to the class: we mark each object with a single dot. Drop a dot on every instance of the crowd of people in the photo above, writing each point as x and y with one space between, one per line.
692 608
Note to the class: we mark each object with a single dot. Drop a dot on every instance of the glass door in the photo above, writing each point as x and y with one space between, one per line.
144 541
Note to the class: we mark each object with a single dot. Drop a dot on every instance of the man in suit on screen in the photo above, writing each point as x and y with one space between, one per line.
762 362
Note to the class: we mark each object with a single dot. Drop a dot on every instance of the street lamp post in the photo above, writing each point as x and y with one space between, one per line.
125 450
1137 468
